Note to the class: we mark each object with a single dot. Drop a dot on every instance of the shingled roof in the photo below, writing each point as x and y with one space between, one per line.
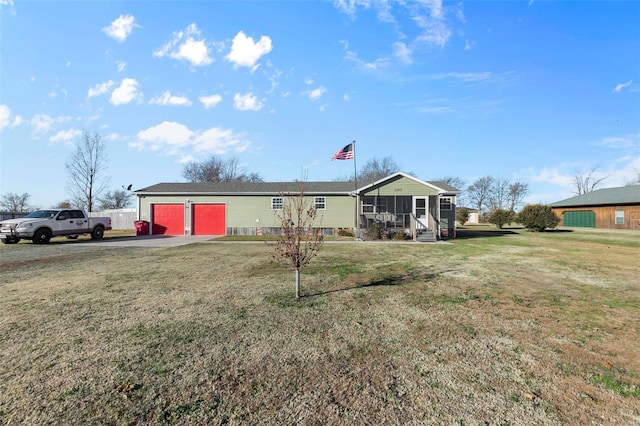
603 197
248 188
259 188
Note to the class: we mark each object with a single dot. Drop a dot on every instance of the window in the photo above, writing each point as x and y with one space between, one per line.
445 203
619 217
277 203
367 204
77 214
320 203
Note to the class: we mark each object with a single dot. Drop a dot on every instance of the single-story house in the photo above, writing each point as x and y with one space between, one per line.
613 208
398 202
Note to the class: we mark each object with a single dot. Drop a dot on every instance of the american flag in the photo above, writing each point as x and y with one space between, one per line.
345 153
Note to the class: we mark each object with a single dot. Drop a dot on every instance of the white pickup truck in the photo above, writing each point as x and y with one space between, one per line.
39 226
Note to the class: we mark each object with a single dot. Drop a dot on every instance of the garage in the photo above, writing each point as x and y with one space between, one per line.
580 219
167 219
209 219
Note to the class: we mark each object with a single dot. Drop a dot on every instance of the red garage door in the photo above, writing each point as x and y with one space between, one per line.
167 219
209 219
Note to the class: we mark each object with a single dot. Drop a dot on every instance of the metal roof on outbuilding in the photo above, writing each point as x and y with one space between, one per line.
603 197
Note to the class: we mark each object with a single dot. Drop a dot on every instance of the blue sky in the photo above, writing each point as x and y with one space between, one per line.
532 91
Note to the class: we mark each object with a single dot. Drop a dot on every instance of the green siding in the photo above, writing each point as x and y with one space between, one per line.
401 186
255 211
581 219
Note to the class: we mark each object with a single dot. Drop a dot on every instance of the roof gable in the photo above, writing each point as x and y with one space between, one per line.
605 196
440 187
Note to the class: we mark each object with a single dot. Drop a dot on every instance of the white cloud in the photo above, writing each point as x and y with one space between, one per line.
469 44
210 101
120 28
5 114
175 138
121 65
403 53
621 86
187 45
66 137
126 92
467 77
99 89
346 97
628 141
245 53
68 64
168 99
352 56
308 82
42 123
247 102
317 93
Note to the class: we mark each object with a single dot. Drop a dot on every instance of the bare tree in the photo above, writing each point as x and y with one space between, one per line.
85 170
586 181
517 192
299 241
112 200
15 203
374 170
633 181
216 169
499 193
66 204
454 181
479 192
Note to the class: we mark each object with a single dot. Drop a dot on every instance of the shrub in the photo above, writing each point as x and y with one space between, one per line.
500 217
376 232
400 235
537 217
462 215
345 233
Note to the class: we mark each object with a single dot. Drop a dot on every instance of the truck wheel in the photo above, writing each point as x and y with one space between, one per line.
41 236
10 240
97 233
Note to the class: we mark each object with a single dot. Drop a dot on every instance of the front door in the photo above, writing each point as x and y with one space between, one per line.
421 211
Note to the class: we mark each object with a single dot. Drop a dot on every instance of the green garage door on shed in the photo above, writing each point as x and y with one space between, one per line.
581 219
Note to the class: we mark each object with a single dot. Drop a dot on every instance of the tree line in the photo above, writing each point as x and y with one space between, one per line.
88 183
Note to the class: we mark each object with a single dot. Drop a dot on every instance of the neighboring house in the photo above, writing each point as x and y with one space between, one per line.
399 202
474 216
614 208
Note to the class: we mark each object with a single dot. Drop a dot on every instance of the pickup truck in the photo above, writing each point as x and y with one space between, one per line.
39 226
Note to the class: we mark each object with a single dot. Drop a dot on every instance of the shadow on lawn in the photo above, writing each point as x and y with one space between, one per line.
466 234
386 281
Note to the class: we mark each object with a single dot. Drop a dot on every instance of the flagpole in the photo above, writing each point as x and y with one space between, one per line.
355 183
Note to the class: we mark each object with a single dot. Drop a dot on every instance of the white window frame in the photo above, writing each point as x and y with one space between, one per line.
320 203
444 203
368 207
619 217
277 203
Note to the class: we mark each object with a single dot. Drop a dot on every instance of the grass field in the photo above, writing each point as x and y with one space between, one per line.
502 327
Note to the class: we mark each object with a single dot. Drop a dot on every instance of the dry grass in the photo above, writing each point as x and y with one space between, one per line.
505 328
